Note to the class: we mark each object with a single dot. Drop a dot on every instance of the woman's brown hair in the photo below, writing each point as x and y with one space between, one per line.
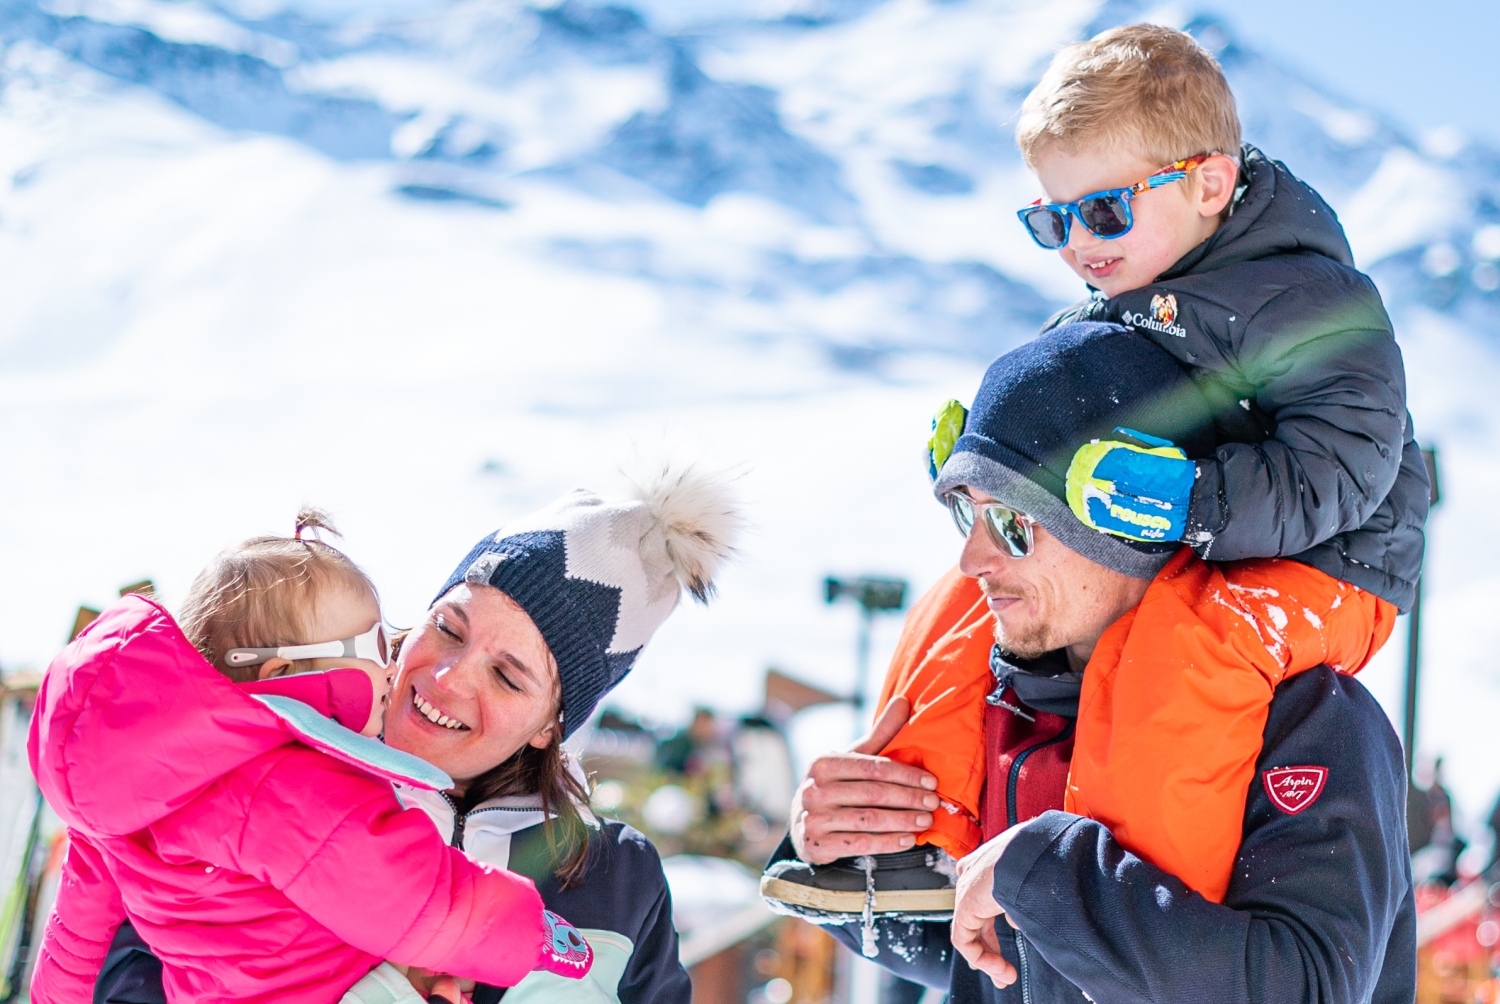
544 772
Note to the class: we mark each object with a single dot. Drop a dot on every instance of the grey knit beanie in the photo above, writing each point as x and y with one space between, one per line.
1038 403
599 576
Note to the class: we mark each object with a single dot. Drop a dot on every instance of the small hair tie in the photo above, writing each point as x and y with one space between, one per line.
311 524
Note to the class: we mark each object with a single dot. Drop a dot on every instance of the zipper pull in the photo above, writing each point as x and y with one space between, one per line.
459 818
1003 671
1000 702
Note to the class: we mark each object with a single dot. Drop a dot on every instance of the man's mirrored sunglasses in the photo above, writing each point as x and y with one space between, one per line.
1009 529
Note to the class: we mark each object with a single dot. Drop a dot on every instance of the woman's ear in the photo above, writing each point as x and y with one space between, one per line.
543 739
1217 177
273 667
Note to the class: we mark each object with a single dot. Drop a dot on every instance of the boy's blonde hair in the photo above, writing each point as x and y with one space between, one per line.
1150 90
261 594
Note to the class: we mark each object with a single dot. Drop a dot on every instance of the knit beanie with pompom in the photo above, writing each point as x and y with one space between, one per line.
598 576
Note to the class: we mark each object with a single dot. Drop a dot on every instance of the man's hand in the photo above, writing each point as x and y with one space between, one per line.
859 803
975 912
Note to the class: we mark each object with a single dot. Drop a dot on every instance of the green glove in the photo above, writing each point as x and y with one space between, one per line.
947 426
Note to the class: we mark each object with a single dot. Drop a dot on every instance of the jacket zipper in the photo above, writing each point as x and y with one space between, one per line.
1015 771
996 697
458 822
1024 969
461 819
1012 781
505 808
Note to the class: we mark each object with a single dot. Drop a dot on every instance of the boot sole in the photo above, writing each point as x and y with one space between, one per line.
832 901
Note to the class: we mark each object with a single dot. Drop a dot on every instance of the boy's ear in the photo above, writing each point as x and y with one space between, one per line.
1217 177
273 667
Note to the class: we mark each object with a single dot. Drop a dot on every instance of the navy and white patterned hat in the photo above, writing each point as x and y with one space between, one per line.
599 576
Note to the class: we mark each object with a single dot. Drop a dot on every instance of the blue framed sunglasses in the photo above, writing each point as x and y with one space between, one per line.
1104 214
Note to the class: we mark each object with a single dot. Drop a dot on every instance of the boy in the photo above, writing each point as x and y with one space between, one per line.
1242 273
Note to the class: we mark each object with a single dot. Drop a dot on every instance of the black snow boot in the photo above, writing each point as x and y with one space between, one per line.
915 885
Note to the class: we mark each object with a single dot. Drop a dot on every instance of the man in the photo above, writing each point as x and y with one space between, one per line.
1052 907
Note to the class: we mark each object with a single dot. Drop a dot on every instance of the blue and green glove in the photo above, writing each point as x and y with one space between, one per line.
1139 492
947 426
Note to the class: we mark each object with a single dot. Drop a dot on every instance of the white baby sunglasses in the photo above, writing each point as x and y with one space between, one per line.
374 645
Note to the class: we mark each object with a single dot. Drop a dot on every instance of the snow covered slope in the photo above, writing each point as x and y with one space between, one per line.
428 264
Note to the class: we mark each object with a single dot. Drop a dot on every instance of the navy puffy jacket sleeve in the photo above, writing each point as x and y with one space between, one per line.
1321 360
1319 909
1304 345
654 974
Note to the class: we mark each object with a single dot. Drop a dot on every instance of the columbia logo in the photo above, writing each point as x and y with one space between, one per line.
1138 320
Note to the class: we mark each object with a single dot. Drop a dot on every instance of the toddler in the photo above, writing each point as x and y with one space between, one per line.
257 846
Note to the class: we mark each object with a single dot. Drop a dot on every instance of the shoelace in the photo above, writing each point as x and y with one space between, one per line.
867 936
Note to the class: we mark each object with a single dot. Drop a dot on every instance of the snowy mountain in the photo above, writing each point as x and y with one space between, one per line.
430 263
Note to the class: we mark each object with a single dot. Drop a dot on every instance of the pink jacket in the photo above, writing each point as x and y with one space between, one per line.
256 867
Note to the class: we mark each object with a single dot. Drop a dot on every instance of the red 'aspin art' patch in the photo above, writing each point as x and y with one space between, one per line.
1293 789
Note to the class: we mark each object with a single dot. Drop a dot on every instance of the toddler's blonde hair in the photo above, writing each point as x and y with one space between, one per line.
261 593
1143 88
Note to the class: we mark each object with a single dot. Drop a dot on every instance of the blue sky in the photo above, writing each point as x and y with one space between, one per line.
1425 64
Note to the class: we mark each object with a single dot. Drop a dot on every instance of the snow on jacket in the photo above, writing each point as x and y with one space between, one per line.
621 905
1294 348
1320 907
258 868
1174 700
1176 695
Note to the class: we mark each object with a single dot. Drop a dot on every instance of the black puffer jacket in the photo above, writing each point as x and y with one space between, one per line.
1293 346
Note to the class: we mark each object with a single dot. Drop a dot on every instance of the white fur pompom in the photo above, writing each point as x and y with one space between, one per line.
698 516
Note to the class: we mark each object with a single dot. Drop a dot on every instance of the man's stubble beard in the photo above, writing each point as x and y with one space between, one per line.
1031 642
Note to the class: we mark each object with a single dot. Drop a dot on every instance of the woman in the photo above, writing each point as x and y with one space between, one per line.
536 624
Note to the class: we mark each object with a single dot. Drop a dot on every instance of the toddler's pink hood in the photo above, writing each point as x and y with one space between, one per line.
131 684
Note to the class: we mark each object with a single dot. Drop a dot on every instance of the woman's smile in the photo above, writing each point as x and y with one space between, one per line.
434 714
475 683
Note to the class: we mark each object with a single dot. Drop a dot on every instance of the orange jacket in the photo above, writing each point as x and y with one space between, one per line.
1173 706
942 666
